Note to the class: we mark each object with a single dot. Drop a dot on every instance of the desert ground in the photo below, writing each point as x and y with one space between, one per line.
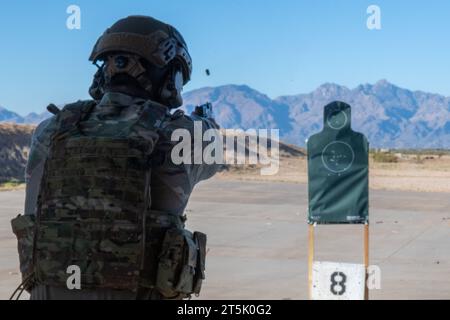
426 172
257 240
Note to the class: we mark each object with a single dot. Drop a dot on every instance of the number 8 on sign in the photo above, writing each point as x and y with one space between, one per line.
338 284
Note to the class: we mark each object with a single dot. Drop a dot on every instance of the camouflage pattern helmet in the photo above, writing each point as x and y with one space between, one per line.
151 39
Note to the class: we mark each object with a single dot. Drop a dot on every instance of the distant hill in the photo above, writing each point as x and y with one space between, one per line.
12 117
14 148
390 116
9 116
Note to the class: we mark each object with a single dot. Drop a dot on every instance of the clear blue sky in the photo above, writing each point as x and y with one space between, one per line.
277 46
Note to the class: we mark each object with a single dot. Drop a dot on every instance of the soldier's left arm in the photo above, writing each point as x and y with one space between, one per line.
36 161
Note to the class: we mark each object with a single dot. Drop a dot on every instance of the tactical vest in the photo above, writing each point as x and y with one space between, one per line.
94 215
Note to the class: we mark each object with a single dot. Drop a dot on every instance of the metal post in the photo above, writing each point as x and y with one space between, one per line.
310 257
366 259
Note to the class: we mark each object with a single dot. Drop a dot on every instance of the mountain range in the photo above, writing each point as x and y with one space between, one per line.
32 118
390 116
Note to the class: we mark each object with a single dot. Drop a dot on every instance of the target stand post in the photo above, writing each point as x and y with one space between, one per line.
311 256
311 228
366 259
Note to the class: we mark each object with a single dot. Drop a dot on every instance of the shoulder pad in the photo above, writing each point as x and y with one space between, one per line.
74 113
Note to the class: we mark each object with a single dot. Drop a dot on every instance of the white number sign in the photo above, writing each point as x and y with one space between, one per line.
338 281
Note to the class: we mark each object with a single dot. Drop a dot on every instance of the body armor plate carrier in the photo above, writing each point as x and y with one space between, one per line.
94 213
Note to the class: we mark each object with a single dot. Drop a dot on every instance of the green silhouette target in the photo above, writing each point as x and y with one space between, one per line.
338 170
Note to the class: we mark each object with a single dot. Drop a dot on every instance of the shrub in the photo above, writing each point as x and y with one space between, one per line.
384 157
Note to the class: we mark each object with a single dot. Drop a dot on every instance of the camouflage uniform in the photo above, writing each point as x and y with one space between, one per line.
171 185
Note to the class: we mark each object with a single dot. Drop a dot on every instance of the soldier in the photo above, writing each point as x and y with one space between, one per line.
103 195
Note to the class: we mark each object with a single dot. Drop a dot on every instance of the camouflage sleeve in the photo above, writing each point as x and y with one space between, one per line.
35 166
195 126
204 171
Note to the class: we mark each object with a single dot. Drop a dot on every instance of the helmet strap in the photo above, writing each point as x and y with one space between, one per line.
96 90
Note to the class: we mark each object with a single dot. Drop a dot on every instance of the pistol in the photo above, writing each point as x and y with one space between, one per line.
204 110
